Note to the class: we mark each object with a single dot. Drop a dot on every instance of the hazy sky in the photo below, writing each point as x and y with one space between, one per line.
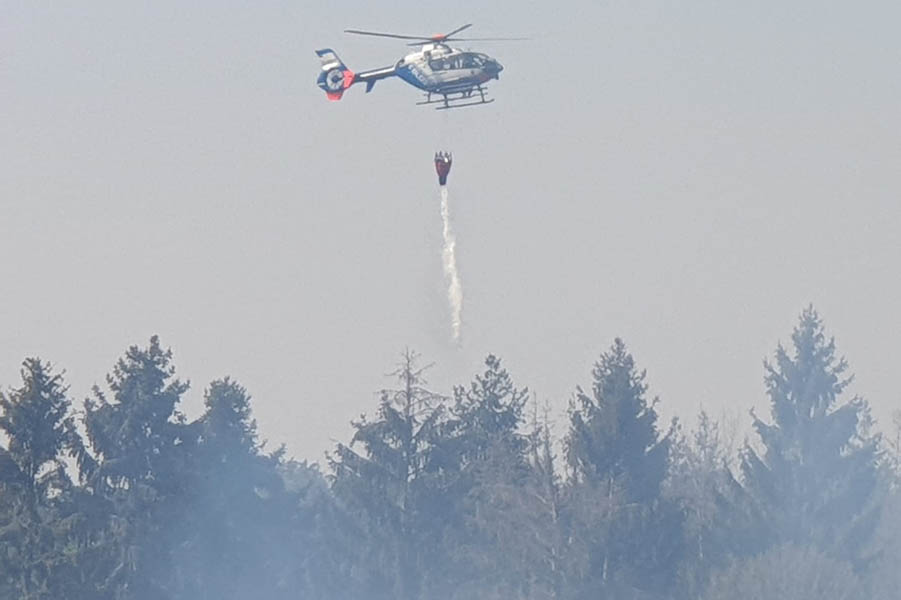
685 175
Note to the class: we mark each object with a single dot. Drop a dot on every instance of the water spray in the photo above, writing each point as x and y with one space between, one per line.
443 161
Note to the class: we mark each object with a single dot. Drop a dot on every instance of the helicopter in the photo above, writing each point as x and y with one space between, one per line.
455 77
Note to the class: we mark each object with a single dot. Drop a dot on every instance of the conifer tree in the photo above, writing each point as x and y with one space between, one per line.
386 485
492 486
618 460
34 483
487 415
238 512
815 478
613 436
141 445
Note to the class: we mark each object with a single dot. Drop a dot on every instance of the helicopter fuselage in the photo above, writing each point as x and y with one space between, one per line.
440 69
437 69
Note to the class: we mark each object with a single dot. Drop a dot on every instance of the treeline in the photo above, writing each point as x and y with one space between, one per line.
462 497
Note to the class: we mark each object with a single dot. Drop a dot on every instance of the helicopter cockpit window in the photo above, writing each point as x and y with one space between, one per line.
472 61
461 61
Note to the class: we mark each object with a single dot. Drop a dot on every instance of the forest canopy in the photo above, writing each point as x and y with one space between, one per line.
463 494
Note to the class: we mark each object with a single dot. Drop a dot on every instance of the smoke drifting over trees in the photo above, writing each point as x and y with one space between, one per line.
464 495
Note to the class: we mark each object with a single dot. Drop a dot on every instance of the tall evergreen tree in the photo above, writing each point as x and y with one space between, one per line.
141 447
387 485
814 480
237 528
137 434
613 434
36 421
618 460
487 415
492 477
39 430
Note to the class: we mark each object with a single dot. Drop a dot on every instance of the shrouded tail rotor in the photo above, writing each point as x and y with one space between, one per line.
334 77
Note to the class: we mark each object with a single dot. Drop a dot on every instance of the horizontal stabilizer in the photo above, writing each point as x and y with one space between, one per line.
334 76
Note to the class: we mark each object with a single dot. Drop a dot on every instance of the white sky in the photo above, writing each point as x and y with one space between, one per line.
685 175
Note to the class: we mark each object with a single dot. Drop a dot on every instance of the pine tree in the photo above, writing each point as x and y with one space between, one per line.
618 460
228 428
140 465
135 436
487 416
33 482
493 488
815 478
238 512
613 434
387 487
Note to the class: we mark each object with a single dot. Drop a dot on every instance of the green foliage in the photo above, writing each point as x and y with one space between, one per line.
386 486
487 415
34 483
237 507
36 422
140 433
494 489
141 448
227 428
618 461
613 436
455 498
815 480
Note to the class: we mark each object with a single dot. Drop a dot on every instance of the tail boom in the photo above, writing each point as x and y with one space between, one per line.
335 77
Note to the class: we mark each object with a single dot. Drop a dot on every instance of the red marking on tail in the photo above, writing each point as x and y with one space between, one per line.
348 81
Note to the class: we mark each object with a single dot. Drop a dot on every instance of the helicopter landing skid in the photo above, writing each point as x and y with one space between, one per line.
488 101
459 100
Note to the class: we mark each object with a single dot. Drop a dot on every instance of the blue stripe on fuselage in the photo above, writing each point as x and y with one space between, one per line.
414 76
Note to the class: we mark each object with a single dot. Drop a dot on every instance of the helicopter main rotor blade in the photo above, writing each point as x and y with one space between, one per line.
502 39
456 39
432 39
457 30
388 35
